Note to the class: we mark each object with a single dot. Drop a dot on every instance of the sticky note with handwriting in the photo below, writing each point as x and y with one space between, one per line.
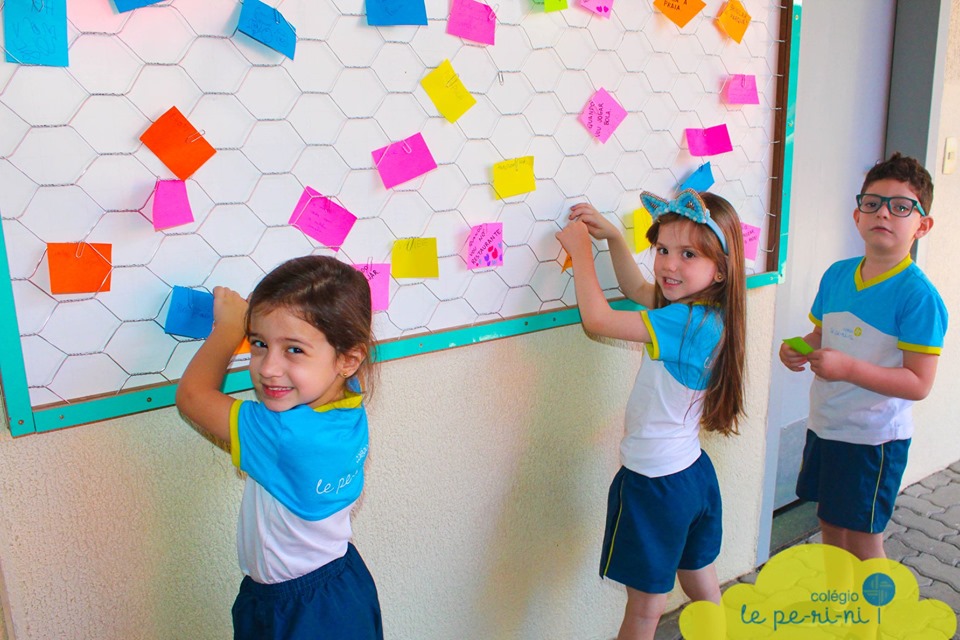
378 275
79 267
267 26
472 20
177 143
751 240
699 180
35 32
190 313
415 258
386 13
734 19
447 92
401 161
513 177
600 7
742 89
485 246
322 219
680 12
709 141
602 115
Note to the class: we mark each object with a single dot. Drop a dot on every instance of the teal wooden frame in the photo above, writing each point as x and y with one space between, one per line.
24 419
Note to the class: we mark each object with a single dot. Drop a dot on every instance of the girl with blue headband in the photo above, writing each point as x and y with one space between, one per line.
664 513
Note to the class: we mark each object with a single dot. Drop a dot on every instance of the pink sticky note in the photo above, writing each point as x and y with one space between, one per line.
710 141
322 219
742 89
600 7
751 240
485 246
405 160
473 21
378 275
602 115
171 208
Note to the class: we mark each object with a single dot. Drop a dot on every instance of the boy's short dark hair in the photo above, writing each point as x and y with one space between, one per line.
907 170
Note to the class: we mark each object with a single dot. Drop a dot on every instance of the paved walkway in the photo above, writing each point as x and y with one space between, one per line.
924 534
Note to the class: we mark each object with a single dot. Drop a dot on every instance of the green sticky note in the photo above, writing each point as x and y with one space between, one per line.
799 345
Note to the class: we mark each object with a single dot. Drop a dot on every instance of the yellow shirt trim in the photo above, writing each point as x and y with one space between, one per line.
886 275
653 347
919 348
350 400
235 432
814 320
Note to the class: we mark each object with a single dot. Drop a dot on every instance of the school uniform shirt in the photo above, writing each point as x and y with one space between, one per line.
305 471
662 422
876 321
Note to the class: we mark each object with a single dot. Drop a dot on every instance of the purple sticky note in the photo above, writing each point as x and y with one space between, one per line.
405 160
485 246
322 219
473 21
600 7
378 275
602 115
171 208
751 240
710 141
742 89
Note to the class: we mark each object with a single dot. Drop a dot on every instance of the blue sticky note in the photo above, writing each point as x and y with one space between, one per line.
267 25
700 180
190 313
35 32
130 5
385 13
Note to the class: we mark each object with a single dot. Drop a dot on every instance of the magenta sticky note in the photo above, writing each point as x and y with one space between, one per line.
171 207
600 7
405 160
742 89
472 20
751 240
602 115
378 275
710 141
322 219
485 246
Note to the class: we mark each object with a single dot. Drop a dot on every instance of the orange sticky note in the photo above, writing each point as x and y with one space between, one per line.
79 267
680 12
567 262
177 143
734 19
243 348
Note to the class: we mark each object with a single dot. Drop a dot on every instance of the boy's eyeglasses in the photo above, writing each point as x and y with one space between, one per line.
897 206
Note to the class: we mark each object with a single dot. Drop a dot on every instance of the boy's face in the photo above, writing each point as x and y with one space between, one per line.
886 235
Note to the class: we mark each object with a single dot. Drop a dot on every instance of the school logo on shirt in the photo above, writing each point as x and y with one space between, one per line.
858 332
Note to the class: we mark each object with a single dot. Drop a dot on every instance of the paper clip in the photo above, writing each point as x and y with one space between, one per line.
500 77
406 147
452 81
194 137
493 12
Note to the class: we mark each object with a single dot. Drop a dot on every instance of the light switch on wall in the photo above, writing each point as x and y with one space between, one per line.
949 155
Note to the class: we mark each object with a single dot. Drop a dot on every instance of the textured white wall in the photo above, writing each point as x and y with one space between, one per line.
482 517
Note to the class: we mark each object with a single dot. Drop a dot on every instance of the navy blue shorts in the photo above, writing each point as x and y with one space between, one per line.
656 526
855 484
338 601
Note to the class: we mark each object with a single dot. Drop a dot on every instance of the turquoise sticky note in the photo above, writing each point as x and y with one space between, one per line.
267 25
36 32
190 313
386 13
799 345
130 5
699 180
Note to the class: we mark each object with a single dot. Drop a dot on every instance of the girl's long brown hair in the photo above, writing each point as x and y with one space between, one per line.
723 402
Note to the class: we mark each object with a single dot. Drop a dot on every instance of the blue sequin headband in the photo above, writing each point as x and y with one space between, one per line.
688 204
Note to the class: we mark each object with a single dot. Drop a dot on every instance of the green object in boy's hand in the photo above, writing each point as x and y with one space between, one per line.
799 345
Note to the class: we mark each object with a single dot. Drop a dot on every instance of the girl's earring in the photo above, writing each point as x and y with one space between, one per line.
344 375
718 277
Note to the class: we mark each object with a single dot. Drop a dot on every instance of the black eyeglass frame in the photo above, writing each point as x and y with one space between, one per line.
885 201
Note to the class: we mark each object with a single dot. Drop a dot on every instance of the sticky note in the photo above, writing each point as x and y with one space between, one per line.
178 145
385 13
415 258
709 141
485 246
378 275
642 221
447 92
267 26
734 19
600 7
35 32
680 12
130 5
751 240
602 115
322 219
401 161
171 207
799 345
699 180
79 267
554 5
567 262
513 177
190 313
742 89
472 20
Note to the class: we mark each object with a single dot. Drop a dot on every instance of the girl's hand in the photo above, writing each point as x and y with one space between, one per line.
830 364
229 312
598 226
575 239
792 359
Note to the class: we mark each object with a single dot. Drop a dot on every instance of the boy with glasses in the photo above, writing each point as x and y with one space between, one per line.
878 330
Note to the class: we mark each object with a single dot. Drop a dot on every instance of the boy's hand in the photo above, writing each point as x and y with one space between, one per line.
792 359
575 239
598 226
229 313
830 364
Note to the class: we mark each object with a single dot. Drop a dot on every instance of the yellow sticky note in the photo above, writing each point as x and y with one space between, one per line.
734 19
415 258
680 12
513 177
642 220
446 91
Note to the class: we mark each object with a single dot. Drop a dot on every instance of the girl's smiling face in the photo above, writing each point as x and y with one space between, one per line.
291 362
680 269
